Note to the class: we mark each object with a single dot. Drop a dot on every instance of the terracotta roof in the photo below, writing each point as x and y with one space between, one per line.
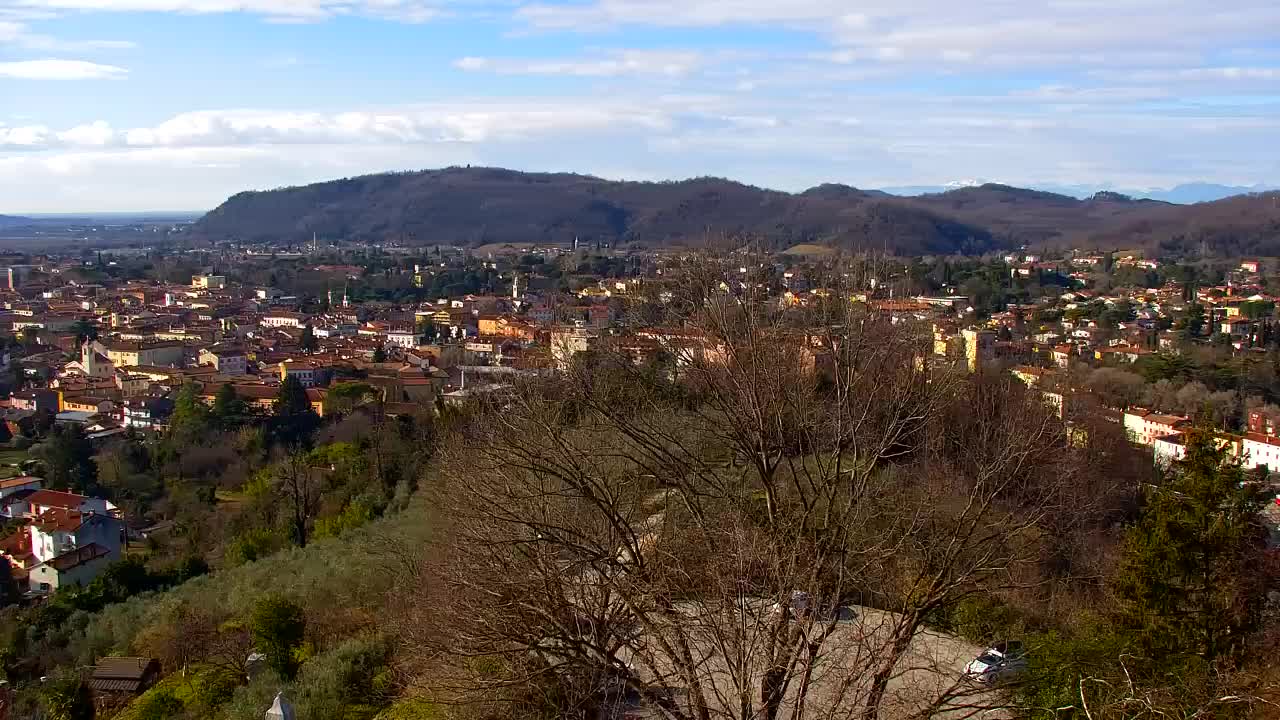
1263 439
17 543
255 392
81 555
55 498
18 481
60 520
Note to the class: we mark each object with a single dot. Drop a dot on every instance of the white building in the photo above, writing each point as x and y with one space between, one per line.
1144 426
284 319
304 371
57 532
1171 448
406 339
76 567
569 341
227 360
46 500
209 282
91 363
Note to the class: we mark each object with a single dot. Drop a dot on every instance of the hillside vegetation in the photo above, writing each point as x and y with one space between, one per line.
482 206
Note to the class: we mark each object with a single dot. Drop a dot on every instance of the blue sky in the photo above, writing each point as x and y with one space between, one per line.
176 104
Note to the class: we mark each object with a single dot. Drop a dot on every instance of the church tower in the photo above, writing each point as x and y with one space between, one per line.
89 358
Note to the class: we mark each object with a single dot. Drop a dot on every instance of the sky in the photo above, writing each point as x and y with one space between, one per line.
132 105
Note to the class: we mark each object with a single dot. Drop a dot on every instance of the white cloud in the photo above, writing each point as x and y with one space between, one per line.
54 69
1118 32
23 138
611 64
463 123
1213 74
48 43
20 35
95 134
277 10
1092 95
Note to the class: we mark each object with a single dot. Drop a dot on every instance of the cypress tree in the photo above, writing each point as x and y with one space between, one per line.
1188 583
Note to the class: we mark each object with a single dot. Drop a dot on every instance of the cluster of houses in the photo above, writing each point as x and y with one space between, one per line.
110 356
1258 447
57 539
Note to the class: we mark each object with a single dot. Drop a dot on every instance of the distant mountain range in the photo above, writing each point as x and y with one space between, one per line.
1182 194
484 206
7 221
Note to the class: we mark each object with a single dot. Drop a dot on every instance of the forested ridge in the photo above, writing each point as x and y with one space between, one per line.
481 206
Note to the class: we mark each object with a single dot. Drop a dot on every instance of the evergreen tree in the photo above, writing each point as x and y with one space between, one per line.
292 398
68 459
85 330
1188 582
228 409
190 419
309 343
8 586
379 355
278 626
1192 324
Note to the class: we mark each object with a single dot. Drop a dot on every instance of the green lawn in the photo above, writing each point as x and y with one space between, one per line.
9 461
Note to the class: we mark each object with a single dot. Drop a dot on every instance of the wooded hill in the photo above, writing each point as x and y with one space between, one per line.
479 206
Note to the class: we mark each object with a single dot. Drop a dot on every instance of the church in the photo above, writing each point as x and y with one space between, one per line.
91 364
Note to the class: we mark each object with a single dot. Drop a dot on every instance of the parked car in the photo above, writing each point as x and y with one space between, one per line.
799 604
999 663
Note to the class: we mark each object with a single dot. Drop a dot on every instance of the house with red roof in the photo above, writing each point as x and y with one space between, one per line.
76 567
45 500
57 531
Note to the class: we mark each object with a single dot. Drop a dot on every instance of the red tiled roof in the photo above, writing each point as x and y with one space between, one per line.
55 498
18 482
1264 439
59 520
17 543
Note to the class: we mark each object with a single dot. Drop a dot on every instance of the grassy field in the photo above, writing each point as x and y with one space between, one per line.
9 456
809 249
9 461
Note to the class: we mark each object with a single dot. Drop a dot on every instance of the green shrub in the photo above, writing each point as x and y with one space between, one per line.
253 545
159 705
358 513
350 682
214 687
66 697
278 626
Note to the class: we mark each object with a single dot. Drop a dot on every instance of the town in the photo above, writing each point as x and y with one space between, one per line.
106 354
163 406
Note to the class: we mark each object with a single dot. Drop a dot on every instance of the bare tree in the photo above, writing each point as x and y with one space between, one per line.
765 531
299 486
